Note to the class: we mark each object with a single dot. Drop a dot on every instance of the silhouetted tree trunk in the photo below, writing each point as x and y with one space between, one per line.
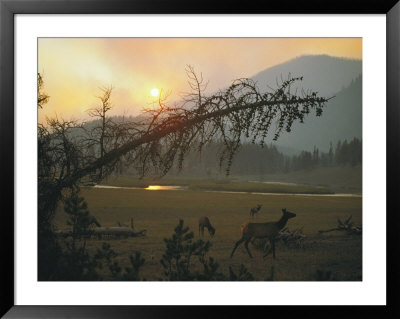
100 112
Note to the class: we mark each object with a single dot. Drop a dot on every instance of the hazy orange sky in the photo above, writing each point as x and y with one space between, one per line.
74 68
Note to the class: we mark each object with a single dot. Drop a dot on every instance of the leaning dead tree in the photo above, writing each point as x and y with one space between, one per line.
162 136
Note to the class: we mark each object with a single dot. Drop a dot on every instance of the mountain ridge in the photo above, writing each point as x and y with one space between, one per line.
323 73
339 78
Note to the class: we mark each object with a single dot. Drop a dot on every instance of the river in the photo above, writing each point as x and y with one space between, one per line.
182 188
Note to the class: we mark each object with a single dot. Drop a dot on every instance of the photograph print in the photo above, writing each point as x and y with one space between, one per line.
199 159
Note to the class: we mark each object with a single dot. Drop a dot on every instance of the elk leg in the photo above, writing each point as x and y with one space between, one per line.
269 250
273 248
237 245
246 245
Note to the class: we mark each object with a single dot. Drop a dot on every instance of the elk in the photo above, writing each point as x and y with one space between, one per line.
263 230
124 225
205 222
121 224
255 210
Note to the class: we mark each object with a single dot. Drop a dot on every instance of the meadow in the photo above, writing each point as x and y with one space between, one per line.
328 256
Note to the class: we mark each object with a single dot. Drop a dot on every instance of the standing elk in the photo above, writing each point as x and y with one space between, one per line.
255 210
205 222
263 230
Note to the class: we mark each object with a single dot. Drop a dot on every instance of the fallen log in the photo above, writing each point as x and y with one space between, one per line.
106 232
117 232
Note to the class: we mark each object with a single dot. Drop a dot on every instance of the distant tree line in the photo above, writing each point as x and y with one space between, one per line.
345 153
252 159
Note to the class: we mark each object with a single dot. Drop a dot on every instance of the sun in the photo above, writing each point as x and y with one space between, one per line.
155 92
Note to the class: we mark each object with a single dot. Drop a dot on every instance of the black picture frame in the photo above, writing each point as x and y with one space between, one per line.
8 10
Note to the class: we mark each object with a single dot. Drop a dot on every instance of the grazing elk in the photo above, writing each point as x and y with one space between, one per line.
95 221
205 222
121 224
263 230
124 225
255 210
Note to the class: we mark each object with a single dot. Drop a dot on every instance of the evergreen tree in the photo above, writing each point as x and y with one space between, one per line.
330 154
180 249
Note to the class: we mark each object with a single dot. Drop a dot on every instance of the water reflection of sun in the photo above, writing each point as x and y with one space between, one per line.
153 188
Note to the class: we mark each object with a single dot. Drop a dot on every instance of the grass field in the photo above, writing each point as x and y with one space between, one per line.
159 213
